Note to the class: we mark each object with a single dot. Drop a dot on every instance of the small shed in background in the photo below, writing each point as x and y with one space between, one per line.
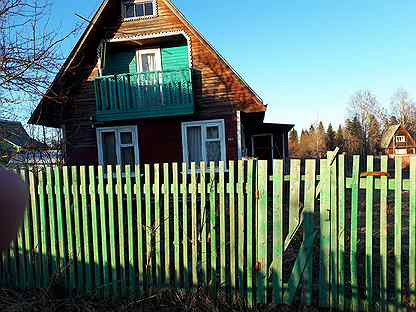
397 141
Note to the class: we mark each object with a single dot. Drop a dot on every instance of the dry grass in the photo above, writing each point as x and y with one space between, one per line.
163 300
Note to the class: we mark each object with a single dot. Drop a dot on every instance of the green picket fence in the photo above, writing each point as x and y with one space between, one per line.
303 231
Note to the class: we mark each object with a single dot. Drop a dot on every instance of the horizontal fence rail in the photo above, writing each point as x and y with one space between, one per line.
319 232
144 95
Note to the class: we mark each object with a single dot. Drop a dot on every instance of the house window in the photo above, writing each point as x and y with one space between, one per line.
203 141
118 146
138 8
400 139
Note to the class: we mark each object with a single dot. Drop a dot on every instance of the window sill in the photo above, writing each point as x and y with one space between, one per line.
131 19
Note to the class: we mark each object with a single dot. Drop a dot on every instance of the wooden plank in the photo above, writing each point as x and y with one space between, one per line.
121 240
148 226
78 234
104 231
167 219
176 227
309 228
231 209
213 225
194 222
325 242
223 243
130 231
112 232
341 232
85 227
69 226
305 253
412 233
241 226
28 238
44 229
262 179
369 232
157 225
294 200
52 220
334 234
204 225
250 238
140 236
398 232
184 191
60 215
92 190
354 233
383 233
278 235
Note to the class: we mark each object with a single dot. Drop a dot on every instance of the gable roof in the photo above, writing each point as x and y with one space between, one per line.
14 133
389 135
82 42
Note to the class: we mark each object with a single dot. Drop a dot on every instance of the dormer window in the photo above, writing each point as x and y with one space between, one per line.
400 139
138 8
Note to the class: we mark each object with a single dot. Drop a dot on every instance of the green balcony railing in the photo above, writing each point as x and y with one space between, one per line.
144 95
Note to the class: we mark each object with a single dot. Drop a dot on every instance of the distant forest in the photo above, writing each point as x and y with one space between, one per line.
362 131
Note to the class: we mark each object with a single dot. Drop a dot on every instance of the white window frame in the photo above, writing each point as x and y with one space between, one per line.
123 12
400 139
118 131
204 124
158 56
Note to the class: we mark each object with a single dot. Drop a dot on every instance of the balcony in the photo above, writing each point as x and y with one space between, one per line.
144 95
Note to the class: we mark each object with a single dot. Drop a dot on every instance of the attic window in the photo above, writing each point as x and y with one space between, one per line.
400 139
138 9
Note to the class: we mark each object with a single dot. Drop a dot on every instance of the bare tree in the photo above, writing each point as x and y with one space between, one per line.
403 111
365 108
29 52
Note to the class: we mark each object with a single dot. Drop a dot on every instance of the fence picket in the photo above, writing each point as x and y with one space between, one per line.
130 231
341 232
278 238
355 188
148 226
333 215
398 232
70 233
383 232
94 225
52 219
112 231
194 221
204 224
166 226
140 236
241 226
213 225
250 238
232 237
104 242
412 233
85 227
223 247
325 242
121 240
294 196
157 225
369 231
184 191
77 222
44 230
176 228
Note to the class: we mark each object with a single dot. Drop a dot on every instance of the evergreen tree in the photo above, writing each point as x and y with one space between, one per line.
374 137
331 140
320 141
353 136
294 143
339 139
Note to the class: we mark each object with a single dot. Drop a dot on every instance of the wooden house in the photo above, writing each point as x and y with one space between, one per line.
143 85
397 141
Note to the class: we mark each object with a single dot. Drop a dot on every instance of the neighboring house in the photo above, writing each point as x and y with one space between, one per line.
397 141
14 140
143 85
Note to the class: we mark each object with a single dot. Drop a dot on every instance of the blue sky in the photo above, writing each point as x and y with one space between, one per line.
304 58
